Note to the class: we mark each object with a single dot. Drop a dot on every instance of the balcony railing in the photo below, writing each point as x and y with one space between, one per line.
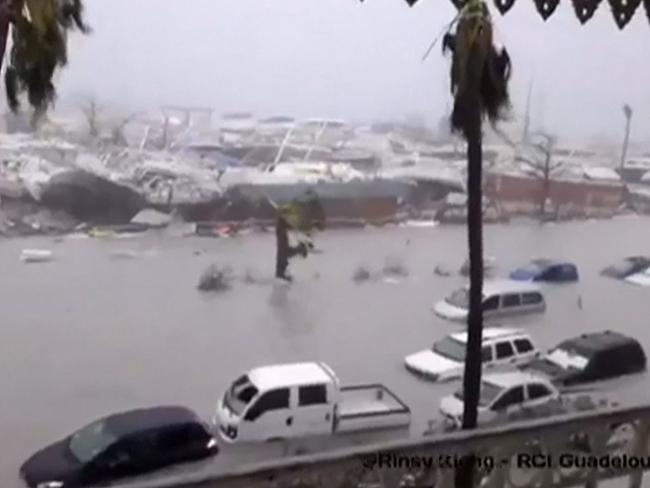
564 449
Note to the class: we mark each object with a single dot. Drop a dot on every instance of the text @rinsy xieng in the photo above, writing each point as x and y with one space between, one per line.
521 461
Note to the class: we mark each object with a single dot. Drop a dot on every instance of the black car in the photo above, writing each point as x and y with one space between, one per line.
626 267
121 445
590 358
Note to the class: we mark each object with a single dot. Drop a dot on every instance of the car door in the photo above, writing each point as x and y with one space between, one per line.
487 355
146 452
537 394
113 463
511 304
525 350
269 416
551 274
314 411
491 306
532 302
509 401
504 353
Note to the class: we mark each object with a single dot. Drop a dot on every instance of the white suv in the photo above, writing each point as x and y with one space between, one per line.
446 358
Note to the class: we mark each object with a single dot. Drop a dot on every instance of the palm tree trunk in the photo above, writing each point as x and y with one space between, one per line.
4 30
8 9
626 141
472 376
282 251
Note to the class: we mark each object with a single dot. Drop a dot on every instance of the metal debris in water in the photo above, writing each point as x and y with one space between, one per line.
361 275
394 267
216 278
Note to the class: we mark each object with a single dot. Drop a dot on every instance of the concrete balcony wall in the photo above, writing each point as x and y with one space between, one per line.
402 464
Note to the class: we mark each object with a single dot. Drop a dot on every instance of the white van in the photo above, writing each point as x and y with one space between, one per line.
500 298
446 359
303 399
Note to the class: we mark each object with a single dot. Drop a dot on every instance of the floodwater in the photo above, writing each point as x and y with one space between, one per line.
117 324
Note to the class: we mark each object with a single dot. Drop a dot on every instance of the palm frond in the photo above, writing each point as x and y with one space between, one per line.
72 16
39 32
479 72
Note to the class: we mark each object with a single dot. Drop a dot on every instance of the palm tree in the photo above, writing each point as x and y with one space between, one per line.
479 77
39 47
303 215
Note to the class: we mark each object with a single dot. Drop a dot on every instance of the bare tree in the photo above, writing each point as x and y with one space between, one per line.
527 113
117 131
540 164
91 110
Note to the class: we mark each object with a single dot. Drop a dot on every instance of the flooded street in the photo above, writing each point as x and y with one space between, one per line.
89 334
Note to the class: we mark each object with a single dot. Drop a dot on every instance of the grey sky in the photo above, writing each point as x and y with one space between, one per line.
343 58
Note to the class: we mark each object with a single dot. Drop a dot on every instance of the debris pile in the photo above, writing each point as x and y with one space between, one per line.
361 275
216 278
395 268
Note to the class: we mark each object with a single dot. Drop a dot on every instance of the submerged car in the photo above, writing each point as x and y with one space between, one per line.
626 267
446 358
546 270
590 358
501 393
121 445
489 265
642 278
500 298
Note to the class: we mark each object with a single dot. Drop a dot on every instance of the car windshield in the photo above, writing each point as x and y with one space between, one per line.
240 394
459 298
489 392
450 348
536 266
567 359
92 440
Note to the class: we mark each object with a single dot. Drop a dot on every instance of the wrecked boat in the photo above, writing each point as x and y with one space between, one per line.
91 198
360 202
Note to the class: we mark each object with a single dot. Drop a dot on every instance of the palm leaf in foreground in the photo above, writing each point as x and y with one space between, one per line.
39 31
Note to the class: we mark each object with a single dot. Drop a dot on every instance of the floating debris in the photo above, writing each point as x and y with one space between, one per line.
152 219
391 281
249 277
395 267
216 278
123 255
361 275
97 233
441 270
36 255
489 265
426 224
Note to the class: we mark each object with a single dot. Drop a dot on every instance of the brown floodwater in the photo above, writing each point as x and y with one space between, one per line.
90 334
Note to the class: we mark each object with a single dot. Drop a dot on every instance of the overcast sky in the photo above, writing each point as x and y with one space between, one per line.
358 61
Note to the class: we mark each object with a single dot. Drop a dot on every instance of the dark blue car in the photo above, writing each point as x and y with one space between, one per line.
546 270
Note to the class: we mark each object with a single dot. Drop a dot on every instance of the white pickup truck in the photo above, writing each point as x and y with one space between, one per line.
303 399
